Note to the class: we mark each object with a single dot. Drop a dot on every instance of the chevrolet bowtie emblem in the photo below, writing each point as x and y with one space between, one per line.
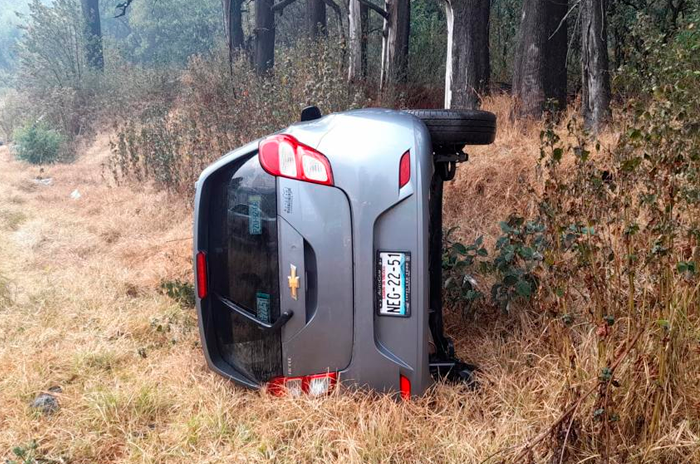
293 280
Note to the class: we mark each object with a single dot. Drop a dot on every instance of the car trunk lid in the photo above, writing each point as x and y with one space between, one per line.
316 277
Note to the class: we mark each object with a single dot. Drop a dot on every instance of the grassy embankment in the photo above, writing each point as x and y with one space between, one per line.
80 308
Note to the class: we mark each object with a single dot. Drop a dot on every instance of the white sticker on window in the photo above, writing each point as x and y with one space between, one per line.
254 215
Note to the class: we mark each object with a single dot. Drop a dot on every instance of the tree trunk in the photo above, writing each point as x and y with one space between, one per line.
316 18
355 27
364 20
93 31
233 23
595 101
555 77
539 70
395 42
264 36
468 66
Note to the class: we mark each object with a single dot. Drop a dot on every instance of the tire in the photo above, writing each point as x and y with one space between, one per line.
458 127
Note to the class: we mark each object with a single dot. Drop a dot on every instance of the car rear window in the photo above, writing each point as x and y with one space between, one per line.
244 266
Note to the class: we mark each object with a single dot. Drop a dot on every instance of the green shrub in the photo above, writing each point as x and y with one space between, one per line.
516 263
38 144
180 291
459 263
518 258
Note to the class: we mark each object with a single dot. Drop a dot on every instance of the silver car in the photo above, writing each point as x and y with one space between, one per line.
318 253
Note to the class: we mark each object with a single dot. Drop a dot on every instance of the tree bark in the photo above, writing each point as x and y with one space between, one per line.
555 77
539 70
395 42
364 20
93 32
355 41
468 64
316 18
233 23
264 36
595 101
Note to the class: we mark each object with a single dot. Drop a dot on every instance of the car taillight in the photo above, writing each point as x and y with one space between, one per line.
202 289
405 169
283 155
405 386
314 385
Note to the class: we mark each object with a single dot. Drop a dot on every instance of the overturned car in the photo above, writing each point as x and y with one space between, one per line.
318 251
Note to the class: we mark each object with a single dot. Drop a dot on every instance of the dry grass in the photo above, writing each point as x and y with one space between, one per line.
80 309
498 179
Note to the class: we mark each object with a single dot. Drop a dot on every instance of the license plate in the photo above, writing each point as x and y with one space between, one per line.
394 284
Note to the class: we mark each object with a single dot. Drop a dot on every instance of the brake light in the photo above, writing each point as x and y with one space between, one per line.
405 169
314 385
283 155
405 386
202 289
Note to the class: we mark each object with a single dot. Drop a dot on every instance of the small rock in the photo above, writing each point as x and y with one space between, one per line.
44 181
45 403
75 194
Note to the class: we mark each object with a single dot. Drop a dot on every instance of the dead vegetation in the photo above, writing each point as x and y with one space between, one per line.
82 308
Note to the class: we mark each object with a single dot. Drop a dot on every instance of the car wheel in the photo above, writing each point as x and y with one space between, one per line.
458 127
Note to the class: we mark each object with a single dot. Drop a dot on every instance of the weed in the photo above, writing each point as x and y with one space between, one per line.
457 261
180 291
25 454
5 292
519 254
517 260
96 361
11 220
139 409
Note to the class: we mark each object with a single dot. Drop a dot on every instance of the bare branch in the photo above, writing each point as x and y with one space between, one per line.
282 5
381 11
123 6
334 6
564 19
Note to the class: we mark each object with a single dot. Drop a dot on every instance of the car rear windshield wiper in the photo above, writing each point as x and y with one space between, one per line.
281 321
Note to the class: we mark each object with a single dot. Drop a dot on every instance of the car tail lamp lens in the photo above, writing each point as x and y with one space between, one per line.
283 155
405 169
287 160
319 385
314 385
294 387
202 288
405 386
